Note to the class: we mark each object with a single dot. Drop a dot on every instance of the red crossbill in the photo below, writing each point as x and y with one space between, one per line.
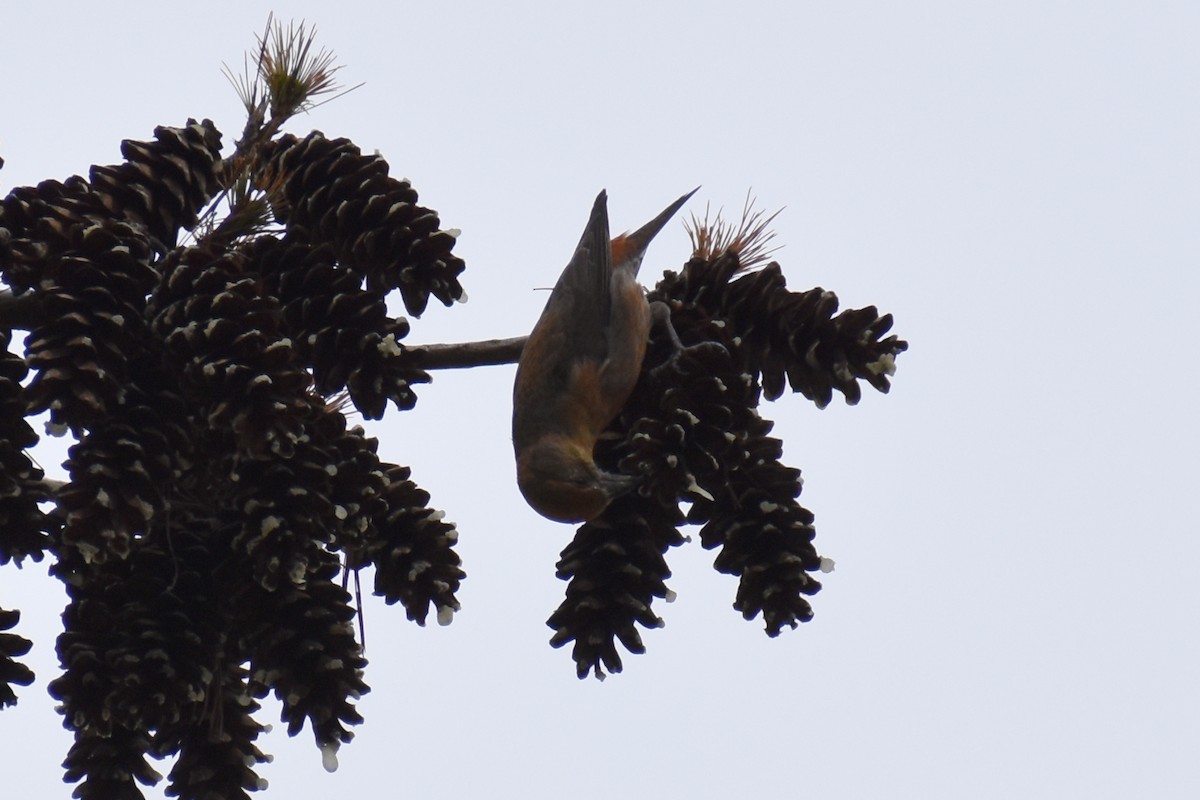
578 368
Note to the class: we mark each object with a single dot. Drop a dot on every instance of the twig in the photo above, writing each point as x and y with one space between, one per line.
468 354
24 312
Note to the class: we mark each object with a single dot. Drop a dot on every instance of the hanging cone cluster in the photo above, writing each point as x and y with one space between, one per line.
692 432
216 494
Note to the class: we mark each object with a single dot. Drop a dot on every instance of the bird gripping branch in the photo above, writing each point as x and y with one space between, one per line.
578 368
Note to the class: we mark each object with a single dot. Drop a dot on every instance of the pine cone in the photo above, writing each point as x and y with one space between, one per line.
337 196
413 551
23 525
159 190
12 646
110 766
165 182
615 568
300 641
340 330
92 302
234 358
216 758
36 224
792 334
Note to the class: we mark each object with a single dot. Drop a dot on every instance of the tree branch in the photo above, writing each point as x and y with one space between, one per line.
468 354
24 312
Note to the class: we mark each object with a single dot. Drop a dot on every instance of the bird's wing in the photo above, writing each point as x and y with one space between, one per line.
581 300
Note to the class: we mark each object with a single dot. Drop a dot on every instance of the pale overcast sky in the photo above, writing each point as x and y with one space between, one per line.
1015 607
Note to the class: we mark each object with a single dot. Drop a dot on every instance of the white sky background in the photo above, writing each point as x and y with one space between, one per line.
1014 611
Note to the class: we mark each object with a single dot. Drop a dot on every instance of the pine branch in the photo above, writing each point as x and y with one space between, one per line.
462 355
23 312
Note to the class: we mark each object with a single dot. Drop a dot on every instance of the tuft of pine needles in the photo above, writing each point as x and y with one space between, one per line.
750 239
293 72
286 75
283 78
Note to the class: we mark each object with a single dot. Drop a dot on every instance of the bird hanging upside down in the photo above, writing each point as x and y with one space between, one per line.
578 368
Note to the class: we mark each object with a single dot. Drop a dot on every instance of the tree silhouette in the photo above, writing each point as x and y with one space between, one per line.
200 325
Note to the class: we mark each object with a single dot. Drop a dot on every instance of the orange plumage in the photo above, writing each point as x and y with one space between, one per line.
579 366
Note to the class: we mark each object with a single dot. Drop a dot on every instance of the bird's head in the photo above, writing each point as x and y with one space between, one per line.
561 482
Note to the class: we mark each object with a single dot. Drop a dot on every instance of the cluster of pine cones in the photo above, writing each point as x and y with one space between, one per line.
692 430
217 494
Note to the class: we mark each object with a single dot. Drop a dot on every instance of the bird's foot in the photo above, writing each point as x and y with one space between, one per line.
660 314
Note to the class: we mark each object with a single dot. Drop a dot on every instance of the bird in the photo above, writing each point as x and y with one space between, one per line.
578 368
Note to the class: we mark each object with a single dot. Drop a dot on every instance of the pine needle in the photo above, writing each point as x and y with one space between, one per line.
749 239
293 72
285 76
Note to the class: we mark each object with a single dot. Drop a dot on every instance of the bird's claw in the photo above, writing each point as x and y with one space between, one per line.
698 352
660 314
